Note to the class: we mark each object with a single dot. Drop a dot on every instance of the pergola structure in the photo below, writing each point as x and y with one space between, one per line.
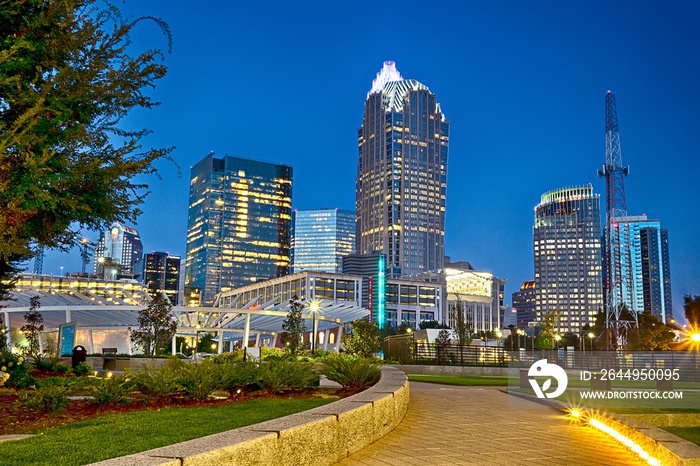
248 324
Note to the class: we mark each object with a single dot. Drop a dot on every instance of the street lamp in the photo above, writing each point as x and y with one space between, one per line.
499 334
521 332
591 335
314 308
558 339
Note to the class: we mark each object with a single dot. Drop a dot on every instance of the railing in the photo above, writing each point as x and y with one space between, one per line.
404 349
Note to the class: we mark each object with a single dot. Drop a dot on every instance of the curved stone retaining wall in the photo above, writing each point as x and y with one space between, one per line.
321 436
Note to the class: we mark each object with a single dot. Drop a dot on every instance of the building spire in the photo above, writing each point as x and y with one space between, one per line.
387 74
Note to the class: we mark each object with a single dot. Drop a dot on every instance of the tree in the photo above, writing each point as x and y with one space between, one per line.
442 341
462 324
156 326
547 326
205 342
651 335
33 327
364 338
3 335
293 326
67 79
691 306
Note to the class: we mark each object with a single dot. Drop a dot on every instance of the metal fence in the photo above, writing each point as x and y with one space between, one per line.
404 349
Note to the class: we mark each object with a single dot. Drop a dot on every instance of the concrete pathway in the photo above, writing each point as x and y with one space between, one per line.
450 425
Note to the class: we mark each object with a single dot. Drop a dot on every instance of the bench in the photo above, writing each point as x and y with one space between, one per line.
112 362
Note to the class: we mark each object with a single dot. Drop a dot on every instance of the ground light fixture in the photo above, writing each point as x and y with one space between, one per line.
582 416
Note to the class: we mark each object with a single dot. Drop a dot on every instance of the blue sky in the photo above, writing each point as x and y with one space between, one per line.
523 84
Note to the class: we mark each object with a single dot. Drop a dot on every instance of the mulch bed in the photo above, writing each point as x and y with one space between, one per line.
17 420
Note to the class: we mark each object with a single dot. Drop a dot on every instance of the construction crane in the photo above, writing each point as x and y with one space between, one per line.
617 259
39 262
85 245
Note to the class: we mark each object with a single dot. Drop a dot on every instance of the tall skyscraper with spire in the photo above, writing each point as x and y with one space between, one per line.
402 175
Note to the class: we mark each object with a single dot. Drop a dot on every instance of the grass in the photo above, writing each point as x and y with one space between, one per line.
123 434
460 380
691 434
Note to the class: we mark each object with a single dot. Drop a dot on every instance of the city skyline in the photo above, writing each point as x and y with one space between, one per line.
523 87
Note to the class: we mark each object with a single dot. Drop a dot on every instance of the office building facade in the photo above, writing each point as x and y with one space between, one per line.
161 274
239 225
402 175
118 253
644 265
524 304
320 239
568 264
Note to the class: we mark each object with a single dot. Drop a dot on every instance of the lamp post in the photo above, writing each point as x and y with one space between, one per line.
314 307
591 335
557 338
499 335
521 332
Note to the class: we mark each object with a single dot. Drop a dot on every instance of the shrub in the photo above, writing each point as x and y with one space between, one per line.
82 368
50 365
354 373
230 357
110 390
16 366
240 376
158 382
198 380
45 399
286 374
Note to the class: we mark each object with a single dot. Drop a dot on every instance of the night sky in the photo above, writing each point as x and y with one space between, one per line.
523 84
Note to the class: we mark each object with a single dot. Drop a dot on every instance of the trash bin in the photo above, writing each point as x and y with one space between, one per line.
79 355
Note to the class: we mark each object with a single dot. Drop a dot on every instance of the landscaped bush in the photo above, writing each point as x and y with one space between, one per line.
45 399
82 368
110 390
50 365
241 376
162 381
16 366
198 380
286 374
354 373
230 357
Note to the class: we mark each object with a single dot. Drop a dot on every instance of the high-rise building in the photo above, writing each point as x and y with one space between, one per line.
645 268
161 274
568 267
402 175
524 304
239 224
320 238
656 273
372 269
118 253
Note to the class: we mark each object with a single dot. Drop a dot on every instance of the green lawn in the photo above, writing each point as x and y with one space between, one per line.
122 434
691 434
460 380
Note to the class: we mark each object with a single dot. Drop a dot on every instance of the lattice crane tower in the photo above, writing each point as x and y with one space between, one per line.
617 258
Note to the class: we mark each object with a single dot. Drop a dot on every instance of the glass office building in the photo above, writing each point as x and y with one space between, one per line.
118 253
239 225
161 274
524 304
568 264
320 239
646 283
402 175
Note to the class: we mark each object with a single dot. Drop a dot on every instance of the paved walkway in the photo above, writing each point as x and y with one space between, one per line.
450 425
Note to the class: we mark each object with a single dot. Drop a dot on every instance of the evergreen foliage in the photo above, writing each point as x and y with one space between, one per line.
156 326
293 326
364 339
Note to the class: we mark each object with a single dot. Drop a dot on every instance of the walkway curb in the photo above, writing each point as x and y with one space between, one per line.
320 436
669 449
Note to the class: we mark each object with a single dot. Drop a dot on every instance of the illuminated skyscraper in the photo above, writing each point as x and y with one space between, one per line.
568 264
646 283
402 175
161 274
118 253
320 238
239 224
